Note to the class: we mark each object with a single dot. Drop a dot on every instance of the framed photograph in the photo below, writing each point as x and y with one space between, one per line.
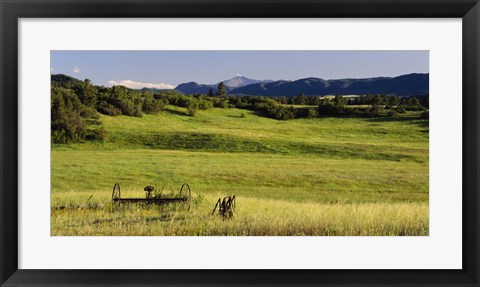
239 143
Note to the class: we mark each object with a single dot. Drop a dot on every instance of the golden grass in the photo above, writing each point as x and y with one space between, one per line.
254 217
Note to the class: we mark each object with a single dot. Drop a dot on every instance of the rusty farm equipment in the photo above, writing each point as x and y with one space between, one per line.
225 206
184 196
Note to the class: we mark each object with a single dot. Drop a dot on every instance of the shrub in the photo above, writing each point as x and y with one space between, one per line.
312 113
357 112
192 108
393 114
129 108
96 134
191 111
281 112
327 108
222 104
204 104
373 111
108 109
401 109
152 106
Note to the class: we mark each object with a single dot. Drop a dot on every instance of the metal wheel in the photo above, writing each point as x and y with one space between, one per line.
186 192
116 192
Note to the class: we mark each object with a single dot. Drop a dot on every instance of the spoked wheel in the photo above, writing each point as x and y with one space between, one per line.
116 192
186 192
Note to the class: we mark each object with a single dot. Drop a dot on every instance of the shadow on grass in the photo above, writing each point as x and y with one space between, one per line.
420 122
175 112
163 217
261 114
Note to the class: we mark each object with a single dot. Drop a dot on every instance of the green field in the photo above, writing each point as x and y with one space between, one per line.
321 176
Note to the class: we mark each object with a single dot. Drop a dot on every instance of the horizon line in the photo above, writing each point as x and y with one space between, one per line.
237 76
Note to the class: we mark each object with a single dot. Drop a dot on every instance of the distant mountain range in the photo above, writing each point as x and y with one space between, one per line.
240 81
192 88
231 84
405 85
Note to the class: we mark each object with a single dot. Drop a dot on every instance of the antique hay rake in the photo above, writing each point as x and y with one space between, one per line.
225 206
184 196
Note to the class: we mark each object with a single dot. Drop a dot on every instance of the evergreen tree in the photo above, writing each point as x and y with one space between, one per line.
222 91
339 101
210 93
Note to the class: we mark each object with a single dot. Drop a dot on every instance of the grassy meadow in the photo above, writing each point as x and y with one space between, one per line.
319 176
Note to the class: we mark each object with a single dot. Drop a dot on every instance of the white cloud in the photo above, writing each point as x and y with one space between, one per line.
76 69
51 70
238 75
138 85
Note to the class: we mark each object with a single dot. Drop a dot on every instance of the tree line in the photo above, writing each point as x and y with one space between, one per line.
362 106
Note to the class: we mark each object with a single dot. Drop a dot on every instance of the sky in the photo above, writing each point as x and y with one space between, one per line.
167 69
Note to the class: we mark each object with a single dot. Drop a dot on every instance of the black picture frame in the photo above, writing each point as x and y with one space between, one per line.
11 11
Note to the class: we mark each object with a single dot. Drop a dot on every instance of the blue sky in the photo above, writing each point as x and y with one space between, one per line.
166 69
